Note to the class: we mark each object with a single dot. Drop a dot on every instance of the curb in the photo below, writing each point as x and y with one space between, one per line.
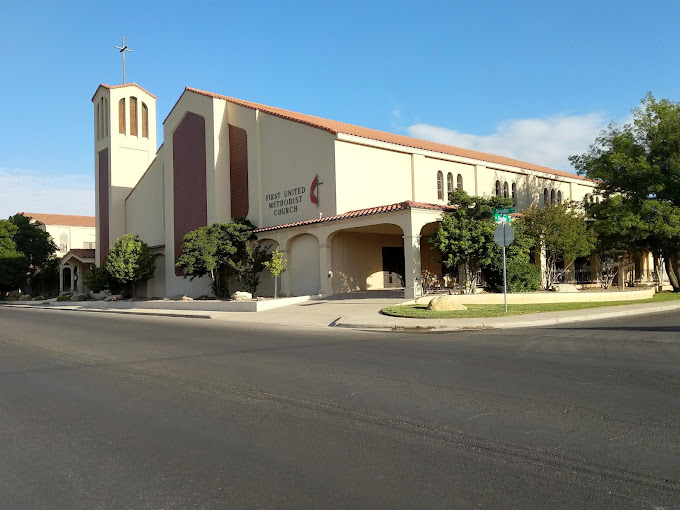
538 322
171 313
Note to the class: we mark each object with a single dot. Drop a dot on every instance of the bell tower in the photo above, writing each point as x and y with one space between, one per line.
124 146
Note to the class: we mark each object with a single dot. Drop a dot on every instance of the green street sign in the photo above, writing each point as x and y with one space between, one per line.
502 218
505 210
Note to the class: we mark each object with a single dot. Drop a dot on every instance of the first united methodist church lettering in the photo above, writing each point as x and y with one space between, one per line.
288 203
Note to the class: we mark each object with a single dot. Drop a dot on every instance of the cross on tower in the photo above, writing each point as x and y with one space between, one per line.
123 49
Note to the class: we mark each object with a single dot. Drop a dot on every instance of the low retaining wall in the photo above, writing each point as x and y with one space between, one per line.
526 298
186 306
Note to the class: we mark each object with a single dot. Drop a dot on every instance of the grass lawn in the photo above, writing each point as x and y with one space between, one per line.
473 311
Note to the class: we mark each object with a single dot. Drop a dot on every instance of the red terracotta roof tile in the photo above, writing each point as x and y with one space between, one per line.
408 204
82 253
335 127
121 86
61 219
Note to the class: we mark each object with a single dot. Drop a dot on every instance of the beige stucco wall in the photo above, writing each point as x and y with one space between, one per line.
292 154
370 176
145 214
76 236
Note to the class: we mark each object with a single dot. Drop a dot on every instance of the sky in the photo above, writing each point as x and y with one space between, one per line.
535 81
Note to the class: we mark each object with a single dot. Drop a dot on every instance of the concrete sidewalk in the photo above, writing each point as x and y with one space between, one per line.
363 312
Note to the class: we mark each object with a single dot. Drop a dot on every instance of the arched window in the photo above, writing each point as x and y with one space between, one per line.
440 185
97 123
498 188
559 198
105 115
145 120
514 194
449 182
597 199
121 116
552 197
546 197
459 182
133 116
505 190
63 243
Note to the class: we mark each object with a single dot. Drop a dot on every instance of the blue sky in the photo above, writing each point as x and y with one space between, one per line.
532 80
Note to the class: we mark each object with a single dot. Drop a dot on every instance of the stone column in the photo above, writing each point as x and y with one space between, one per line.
413 288
326 275
61 279
72 271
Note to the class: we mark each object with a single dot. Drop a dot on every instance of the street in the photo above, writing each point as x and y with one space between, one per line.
106 411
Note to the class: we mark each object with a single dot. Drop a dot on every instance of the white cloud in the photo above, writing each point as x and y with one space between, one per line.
546 141
24 190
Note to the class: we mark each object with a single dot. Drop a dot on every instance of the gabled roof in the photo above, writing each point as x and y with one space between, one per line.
110 87
336 127
82 254
408 204
70 220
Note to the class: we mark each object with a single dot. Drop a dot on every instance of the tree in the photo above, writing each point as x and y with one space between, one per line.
465 235
562 232
45 280
522 275
130 261
250 265
98 279
638 171
13 264
208 251
276 265
35 243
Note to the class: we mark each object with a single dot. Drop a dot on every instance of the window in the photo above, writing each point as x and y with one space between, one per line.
505 190
63 243
97 123
121 116
105 116
89 245
133 116
545 197
440 185
498 188
449 182
145 120
514 194
552 197
459 182
559 198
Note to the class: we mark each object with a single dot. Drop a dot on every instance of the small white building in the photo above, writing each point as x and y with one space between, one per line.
348 206
75 239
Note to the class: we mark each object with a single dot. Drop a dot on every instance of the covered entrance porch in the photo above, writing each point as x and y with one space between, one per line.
73 266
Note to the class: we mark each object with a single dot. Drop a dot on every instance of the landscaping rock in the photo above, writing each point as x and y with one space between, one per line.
13 296
564 287
442 303
182 297
80 297
114 297
39 298
25 297
241 296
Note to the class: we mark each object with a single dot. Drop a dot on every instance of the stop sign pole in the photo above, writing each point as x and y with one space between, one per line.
504 235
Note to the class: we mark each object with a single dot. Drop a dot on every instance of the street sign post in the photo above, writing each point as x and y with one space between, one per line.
504 235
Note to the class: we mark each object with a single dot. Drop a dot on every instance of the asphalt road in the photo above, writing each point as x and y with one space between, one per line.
113 411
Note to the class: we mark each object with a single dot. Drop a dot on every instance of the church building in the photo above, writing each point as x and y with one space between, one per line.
350 207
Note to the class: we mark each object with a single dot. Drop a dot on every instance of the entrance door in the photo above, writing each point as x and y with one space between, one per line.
394 266
66 280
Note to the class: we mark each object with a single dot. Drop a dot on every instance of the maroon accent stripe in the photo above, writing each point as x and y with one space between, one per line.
238 171
189 181
103 204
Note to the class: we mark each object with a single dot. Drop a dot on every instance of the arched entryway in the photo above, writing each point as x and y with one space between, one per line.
66 279
266 287
303 273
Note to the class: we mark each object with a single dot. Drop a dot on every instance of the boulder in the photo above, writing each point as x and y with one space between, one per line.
182 297
25 297
564 287
80 297
114 297
442 303
13 296
241 296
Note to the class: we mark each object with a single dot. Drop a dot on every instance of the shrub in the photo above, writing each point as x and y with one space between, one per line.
64 297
